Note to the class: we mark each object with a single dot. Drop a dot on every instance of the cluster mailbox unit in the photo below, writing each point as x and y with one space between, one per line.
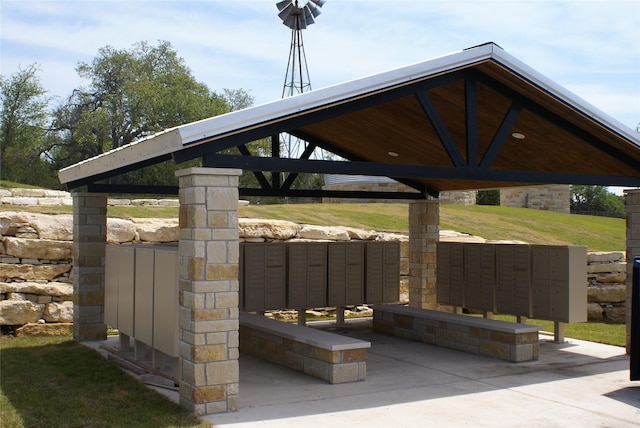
541 281
141 298
299 275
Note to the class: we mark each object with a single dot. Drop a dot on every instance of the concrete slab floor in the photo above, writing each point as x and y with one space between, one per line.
410 384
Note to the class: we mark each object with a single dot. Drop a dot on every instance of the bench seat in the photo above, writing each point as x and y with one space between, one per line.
328 356
500 339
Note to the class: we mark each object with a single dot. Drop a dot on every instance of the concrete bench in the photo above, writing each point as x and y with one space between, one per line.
328 356
500 339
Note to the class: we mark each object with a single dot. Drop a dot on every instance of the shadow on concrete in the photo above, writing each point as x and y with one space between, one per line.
401 372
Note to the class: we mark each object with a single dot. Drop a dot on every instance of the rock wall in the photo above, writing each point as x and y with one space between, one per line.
606 291
36 272
553 197
45 197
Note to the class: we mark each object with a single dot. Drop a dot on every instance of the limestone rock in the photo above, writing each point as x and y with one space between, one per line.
58 312
607 294
19 312
56 227
38 248
11 221
120 230
360 234
158 230
607 267
33 272
309 231
55 289
605 256
385 236
38 329
616 314
595 312
608 278
269 229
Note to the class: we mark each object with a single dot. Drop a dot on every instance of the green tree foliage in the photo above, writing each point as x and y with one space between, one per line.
133 94
23 127
596 200
488 197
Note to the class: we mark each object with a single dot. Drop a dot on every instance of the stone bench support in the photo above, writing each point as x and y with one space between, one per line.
328 356
500 339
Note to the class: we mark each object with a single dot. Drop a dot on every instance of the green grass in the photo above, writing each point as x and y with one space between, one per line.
490 222
56 382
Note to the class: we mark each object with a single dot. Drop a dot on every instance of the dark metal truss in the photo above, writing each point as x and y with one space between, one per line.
473 168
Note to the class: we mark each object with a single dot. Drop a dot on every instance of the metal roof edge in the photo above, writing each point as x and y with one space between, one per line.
565 95
156 145
207 128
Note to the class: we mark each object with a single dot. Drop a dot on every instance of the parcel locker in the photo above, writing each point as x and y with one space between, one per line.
559 279
513 279
264 276
450 274
119 288
480 272
165 299
307 279
346 273
382 272
144 277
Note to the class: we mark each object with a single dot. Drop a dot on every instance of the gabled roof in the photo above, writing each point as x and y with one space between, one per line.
474 119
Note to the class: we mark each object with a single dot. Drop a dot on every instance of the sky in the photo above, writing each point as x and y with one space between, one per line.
592 48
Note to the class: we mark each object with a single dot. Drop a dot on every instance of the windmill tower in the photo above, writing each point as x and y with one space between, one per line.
297 17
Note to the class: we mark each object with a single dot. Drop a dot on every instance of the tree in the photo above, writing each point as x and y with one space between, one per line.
23 126
133 94
596 200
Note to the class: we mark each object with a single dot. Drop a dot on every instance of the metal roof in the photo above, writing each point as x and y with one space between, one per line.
450 123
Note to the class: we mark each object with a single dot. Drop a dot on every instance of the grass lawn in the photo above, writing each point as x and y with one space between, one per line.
56 382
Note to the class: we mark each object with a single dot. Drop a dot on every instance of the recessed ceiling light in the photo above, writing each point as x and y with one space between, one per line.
392 154
518 136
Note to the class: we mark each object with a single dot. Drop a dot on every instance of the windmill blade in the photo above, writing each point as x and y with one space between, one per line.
318 3
307 16
315 11
282 4
287 12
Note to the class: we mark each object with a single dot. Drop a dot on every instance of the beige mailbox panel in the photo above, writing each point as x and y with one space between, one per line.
264 276
480 274
119 287
559 279
513 279
450 273
165 300
307 279
382 272
346 273
144 279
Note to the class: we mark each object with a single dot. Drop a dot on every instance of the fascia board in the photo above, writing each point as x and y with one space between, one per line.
160 144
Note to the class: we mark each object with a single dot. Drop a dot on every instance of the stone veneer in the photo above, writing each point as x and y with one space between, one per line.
424 234
208 255
89 245
552 197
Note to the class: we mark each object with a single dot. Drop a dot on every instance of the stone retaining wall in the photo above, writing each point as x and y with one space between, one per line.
45 197
36 271
552 197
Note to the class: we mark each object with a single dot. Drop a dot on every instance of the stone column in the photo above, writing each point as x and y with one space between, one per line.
424 234
632 198
208 257
89 245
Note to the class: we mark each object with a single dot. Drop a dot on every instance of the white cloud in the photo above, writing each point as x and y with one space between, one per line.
591 47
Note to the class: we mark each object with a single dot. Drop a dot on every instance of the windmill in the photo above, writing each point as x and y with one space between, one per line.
297 18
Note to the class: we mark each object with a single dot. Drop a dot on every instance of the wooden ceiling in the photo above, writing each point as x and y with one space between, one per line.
560 144
447 124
